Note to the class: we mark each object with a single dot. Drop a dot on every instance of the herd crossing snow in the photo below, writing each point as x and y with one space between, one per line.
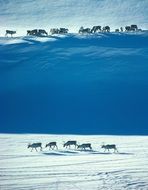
82 30
71 168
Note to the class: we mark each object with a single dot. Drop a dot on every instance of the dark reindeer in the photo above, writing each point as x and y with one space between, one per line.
59 30
84 146
133 28
109 146
83 30
51 145
121 29
42 32
127 28
32 32
10 32
96 29
117 30
69 143
54 31
37 32
63 31
106 29
35 146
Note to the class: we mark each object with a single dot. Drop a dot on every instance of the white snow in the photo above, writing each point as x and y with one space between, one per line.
21 15
66 169
33 60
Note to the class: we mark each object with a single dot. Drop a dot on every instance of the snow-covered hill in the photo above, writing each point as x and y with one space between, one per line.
66 169
75 84
28 14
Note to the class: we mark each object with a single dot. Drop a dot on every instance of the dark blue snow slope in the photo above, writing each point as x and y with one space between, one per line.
74 84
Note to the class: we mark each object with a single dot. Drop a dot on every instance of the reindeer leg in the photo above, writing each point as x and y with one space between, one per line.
36 149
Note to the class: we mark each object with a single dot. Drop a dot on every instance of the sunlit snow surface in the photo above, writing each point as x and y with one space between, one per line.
28 14
66 169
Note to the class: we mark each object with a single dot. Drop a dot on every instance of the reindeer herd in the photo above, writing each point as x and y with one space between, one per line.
82 30
69 144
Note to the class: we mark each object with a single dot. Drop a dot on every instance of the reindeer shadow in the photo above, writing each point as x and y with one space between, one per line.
125 153
93 152
117 153
53 154
69 152
60 153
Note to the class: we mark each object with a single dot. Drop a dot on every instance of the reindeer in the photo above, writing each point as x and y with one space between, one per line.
69 143
96 29
37 32
121 29
83 30
51 145
134 27
127 28
54 31
84 146
42 32
32 32
63 30
10 32
35 146
106 29
117 30
109 146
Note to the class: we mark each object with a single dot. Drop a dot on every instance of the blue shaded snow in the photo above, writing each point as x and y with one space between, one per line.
95 84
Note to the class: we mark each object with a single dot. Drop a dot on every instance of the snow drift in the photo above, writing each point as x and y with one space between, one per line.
75 83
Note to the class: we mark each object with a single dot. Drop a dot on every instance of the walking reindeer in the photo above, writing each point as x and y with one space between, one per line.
35 146
109 147
84 146
69 143
51 145
11 32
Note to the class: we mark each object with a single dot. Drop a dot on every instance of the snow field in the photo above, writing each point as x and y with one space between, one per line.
69 168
